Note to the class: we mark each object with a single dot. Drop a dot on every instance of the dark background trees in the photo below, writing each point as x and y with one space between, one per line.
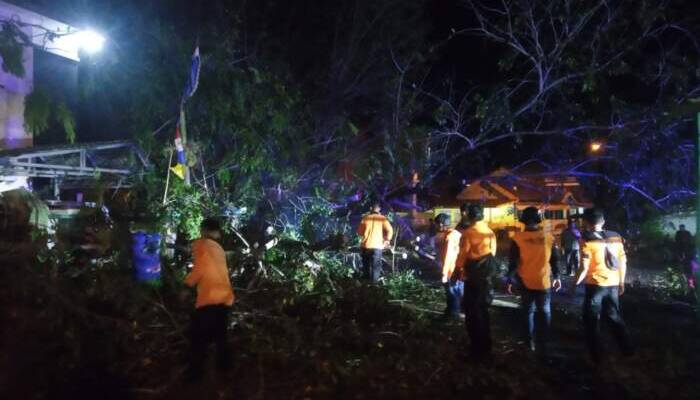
366 93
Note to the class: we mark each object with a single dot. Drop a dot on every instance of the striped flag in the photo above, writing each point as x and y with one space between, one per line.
180 169
193 79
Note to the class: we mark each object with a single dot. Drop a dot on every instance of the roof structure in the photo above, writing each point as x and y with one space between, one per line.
117 161
503 187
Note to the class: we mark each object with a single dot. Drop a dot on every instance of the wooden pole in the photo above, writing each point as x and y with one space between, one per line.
167 179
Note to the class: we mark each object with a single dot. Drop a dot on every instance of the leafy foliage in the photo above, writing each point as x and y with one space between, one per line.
12 44
37 111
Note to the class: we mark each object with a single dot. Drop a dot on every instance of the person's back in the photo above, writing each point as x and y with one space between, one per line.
594 248
477 242
214 299
210 274
603 269
535 262
476 258
535 252
374 231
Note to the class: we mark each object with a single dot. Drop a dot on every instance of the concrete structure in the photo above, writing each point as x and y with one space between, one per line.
45 34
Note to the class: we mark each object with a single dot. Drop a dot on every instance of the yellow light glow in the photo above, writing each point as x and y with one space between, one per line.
596 146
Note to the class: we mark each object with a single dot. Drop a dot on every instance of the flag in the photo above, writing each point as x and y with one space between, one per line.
193 79
179 147
179 170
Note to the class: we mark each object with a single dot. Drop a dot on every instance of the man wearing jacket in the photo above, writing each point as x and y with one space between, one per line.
603 269
214 299
533 260
476 257
447 246
375 234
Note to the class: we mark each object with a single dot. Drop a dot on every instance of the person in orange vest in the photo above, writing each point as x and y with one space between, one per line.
447 246
603 269
477 258
215 297
375 235
534 263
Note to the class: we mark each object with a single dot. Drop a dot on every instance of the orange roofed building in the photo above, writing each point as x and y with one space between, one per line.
505 194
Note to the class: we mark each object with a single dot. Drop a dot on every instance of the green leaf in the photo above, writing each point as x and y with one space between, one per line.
37 110
65 117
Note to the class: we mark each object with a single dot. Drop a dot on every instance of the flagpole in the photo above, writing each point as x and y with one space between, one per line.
183 133
167 179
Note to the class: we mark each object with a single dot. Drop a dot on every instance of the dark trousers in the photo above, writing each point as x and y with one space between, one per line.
537 308
477 299
208 326
454 290
572 261
605 301
371 264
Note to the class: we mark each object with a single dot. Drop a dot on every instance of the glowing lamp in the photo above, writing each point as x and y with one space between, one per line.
90 41
596 146
87 40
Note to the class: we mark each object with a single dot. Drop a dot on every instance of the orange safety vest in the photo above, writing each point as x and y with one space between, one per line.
477 242
593 252
535 249
374 230
210 274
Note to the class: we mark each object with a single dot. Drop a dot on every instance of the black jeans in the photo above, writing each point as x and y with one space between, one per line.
538 303
572 261
476 301
605 301
208 326
371 264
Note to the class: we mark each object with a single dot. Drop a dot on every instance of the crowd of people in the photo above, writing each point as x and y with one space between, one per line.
466 256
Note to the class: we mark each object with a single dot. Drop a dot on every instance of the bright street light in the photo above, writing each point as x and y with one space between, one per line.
86 40
596 146
90 41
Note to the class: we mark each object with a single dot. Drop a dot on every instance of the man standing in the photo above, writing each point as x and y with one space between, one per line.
476 257
375 234
603 269
533 259
214 299
570 244
447 245
685 249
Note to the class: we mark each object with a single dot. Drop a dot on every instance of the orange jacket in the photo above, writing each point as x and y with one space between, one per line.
593 256
374 230
533 259
477 241
210 274
447 244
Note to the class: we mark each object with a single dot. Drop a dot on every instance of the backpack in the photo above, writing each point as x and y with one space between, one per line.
611 260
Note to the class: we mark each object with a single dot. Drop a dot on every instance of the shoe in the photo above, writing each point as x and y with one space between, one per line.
532 346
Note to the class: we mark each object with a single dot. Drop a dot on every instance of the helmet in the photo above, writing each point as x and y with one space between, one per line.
530 216
442 219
